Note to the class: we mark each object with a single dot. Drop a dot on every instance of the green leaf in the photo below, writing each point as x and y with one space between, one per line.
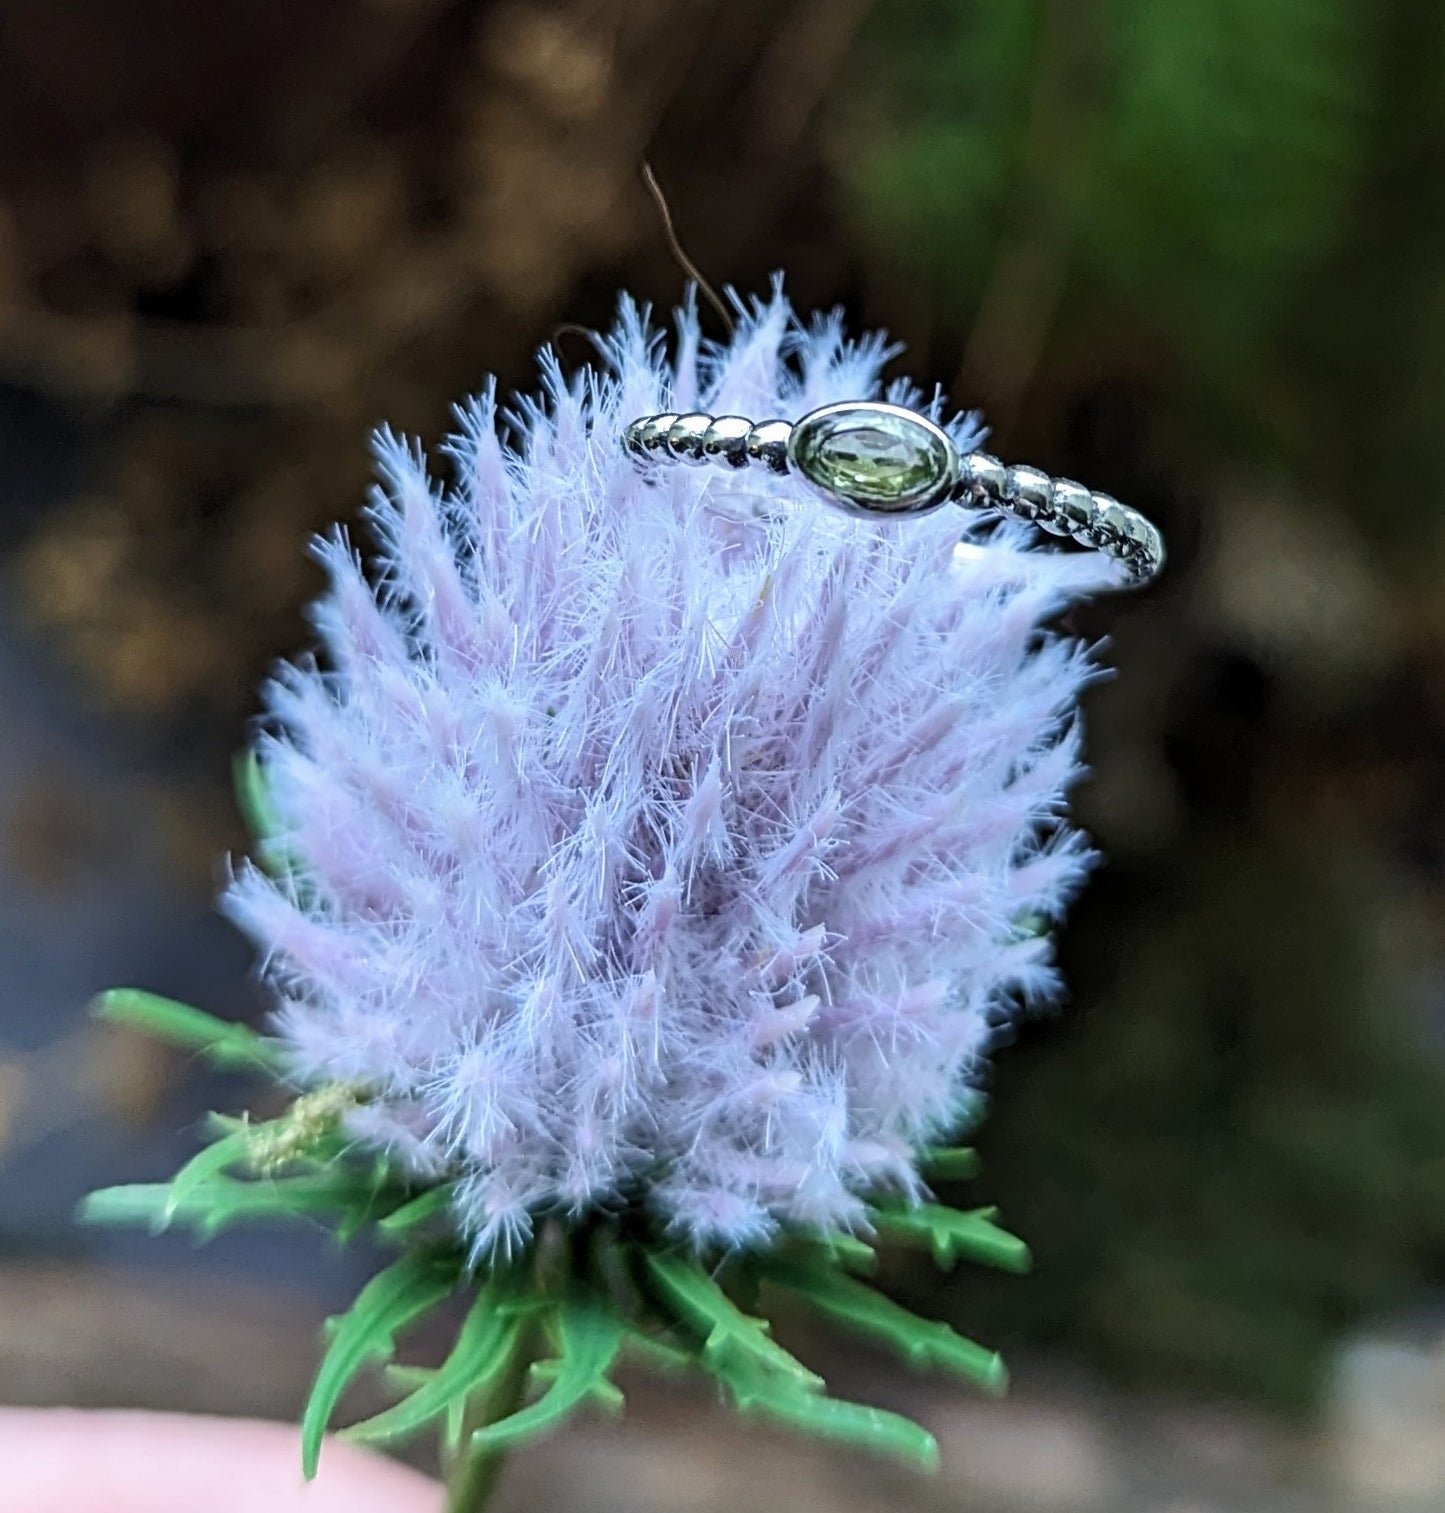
223 1043
485 1343
922 1343
727 1332
434 1203
135 1203
372 1191
656 1353
390 1301
589 1338
951 1233
951 1163
771 1396
252 797
210 1207
232 1149
847 1250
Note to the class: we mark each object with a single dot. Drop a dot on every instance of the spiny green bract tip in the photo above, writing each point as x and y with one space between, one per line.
553 1340
224 1043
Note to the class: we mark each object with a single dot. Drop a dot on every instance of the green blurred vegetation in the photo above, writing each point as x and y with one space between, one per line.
1231 1149
1242 189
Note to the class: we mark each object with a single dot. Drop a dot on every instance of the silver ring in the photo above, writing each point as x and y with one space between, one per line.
873 459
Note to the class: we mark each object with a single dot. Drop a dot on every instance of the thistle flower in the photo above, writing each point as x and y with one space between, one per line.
662 842
650 852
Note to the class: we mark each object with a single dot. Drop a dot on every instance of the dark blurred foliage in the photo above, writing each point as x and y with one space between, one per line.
1226 200
1191 251
1188 249
241 235
1231 1150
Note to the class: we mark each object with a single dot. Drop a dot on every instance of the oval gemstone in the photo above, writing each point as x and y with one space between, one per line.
874 459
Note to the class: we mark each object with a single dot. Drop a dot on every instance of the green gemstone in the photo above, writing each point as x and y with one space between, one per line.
874 458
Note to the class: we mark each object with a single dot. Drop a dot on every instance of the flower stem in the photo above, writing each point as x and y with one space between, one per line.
474 1472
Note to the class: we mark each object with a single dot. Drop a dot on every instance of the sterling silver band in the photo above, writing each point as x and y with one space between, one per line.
875 459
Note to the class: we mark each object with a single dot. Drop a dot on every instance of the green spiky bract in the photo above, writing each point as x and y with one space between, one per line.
544 1331
555 1322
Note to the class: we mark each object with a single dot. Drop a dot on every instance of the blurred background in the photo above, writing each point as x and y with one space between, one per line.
1192 251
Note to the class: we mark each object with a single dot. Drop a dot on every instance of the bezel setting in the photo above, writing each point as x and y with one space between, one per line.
817 458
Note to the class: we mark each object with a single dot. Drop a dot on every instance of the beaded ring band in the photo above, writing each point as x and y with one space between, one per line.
875 459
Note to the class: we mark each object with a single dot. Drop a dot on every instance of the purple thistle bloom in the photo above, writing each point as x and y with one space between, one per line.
666 841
